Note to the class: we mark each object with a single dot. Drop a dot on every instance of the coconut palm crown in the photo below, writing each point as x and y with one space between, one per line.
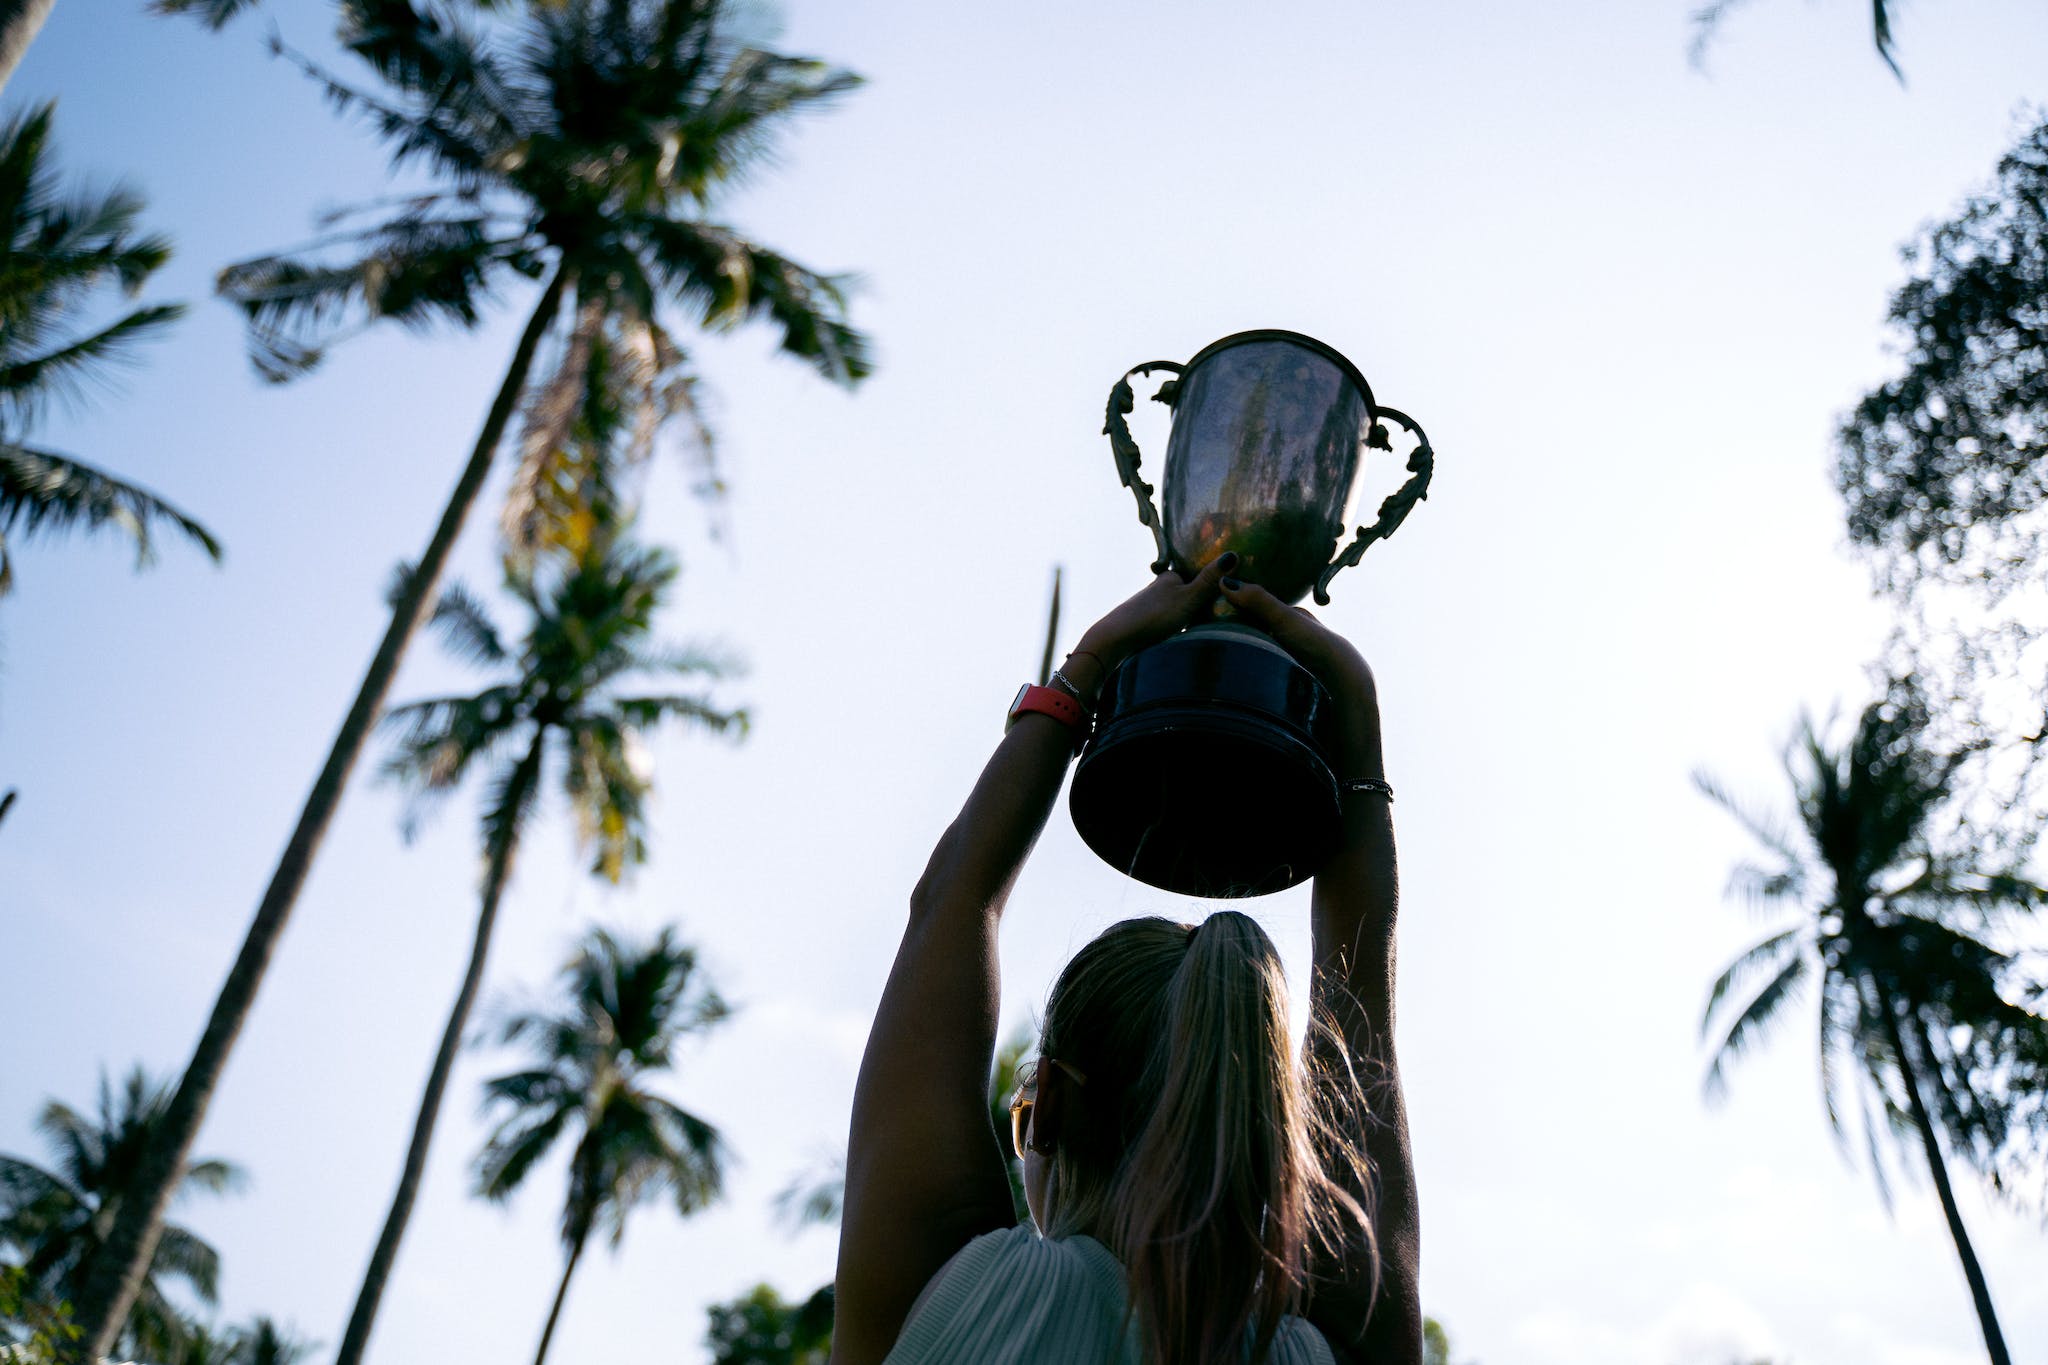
52 1219
1928 1030
621 1010
57 252
583 145
573 696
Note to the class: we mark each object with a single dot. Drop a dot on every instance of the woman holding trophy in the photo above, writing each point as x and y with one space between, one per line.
1199 1194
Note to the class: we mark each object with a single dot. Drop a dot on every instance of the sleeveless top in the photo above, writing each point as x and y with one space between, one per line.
1015 1298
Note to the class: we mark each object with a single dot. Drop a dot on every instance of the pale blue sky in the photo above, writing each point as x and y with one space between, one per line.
1627 300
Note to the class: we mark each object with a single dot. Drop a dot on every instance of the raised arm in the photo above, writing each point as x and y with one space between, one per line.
1352 916
924 1170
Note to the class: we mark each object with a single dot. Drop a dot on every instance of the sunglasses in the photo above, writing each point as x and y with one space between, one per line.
1027 1095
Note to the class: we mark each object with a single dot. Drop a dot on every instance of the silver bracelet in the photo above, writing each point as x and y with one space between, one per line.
1066 685
1368 784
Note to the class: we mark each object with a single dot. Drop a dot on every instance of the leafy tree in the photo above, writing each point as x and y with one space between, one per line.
33 1326
1924 1024
623 1008
581 145
570 700
760 1329
1943 466
57 251
52 1219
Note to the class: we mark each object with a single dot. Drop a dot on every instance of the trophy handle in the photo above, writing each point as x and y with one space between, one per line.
1125 448
1397 506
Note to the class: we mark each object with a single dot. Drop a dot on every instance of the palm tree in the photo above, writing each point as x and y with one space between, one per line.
52 1219
56 252
565 703
579 146
624 1008
262 1342
1894 925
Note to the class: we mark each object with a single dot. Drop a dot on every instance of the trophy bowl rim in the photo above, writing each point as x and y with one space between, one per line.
1302 339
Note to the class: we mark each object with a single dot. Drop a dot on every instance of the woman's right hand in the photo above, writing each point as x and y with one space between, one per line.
1334 660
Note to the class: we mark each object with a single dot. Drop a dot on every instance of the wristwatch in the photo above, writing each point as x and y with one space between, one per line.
1050 701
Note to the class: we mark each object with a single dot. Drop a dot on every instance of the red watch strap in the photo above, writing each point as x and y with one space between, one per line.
1050 701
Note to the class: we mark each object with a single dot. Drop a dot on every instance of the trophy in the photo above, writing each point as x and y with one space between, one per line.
1208 771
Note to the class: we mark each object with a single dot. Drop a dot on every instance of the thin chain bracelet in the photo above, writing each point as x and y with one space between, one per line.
1368 784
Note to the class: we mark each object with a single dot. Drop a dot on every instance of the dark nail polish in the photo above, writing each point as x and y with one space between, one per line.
1228 561
1232 584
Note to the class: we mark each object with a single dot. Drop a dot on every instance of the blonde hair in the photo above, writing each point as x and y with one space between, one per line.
1201 1159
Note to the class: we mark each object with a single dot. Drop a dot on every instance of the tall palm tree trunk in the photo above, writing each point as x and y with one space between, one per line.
356 1339
20 21
115 1275
547 1333
1937 1166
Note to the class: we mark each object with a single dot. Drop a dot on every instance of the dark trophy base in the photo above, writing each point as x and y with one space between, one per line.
1207 775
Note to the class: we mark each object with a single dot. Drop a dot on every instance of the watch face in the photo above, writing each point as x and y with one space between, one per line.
1018 700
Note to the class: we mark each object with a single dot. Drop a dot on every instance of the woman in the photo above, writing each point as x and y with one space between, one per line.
1198 1198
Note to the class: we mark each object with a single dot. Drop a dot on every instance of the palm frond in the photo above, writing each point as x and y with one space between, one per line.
214 1177
549 497
728 280
465 627
509 798
23 1183
515 1147
639 713
439 739
182 1256
1876 1156
695 659
1707 20
28 382
214 14
1765 889
1749 960
1755 1016
1840 1023
1769 832
417 270
607 786
42 492
452 128
814 1197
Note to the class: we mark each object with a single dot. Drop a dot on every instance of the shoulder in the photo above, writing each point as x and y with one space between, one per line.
1011 1289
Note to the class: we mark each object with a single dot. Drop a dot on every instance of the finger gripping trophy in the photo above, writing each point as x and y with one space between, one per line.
1209 770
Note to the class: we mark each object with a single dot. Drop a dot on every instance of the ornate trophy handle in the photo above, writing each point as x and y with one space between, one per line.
1125 448
1397 506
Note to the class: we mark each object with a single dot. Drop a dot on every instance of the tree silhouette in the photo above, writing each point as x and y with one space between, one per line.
623 1008
571 700
579 144
55 1217
1926 1028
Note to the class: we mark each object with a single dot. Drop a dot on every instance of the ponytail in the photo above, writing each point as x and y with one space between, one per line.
1209 1187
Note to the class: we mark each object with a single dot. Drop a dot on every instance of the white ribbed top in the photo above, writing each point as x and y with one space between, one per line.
1014 1298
